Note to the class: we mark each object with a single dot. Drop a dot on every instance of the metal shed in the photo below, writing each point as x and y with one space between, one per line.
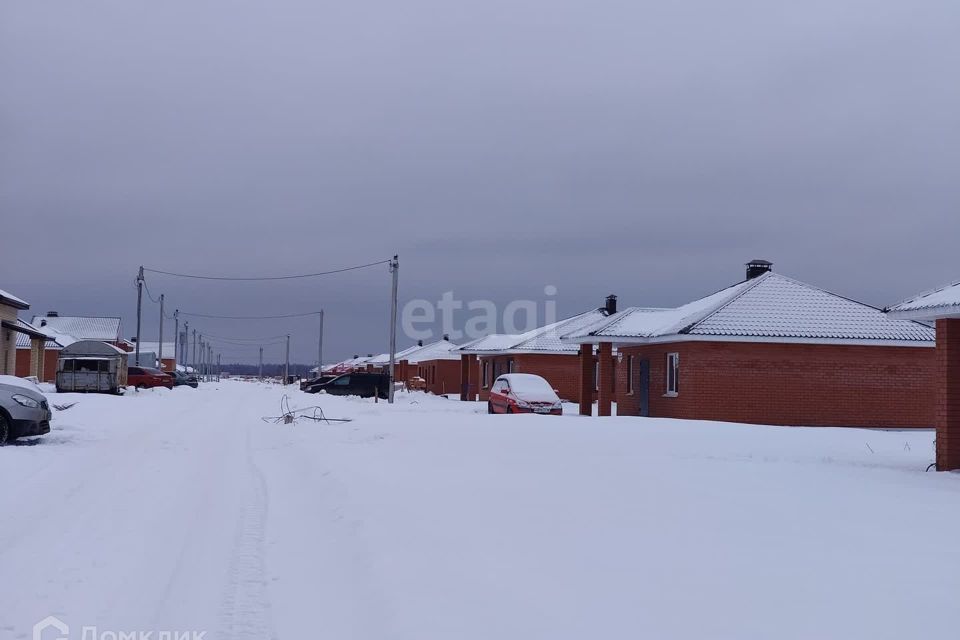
92 366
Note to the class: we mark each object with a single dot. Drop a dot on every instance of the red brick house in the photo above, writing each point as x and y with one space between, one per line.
540 352
768 350
437 363
943 306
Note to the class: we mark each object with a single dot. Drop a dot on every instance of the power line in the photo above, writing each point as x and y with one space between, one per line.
246 340
289 315
150 295
291 277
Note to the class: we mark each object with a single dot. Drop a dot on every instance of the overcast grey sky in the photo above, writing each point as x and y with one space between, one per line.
646 149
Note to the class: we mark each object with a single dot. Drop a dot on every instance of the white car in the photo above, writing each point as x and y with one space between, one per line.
23 410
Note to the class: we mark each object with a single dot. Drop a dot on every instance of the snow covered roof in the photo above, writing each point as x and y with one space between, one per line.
154 347
81 327
24 340
439 350
770 307
384 358
92 348
937 303
11 300
545 339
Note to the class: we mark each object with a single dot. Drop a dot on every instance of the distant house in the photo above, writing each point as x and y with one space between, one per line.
11 328
539 351
437 363
768 350
150 352
81 327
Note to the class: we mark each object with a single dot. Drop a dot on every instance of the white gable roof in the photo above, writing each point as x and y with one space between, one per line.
545 339
384 358
938 303
11 300
80 327
770 307
24 341
439 350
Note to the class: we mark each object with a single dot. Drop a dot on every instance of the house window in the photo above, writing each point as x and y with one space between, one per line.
596 375
485 374
629 374
510 365
673 374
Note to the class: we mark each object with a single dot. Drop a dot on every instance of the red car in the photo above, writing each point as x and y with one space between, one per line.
523 393
147 378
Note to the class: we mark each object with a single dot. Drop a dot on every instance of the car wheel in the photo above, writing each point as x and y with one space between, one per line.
509 408
4 430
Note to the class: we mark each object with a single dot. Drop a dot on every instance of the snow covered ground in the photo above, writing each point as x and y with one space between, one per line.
183 510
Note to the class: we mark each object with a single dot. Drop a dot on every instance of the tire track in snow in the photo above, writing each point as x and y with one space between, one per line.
245 611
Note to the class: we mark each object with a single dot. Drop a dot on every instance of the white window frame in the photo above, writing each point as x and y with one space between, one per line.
485 374
630 375
596 374
672 375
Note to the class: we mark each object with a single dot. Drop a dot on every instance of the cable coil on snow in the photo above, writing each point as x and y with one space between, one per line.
290 416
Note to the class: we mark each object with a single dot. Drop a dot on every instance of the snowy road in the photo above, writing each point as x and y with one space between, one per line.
183 510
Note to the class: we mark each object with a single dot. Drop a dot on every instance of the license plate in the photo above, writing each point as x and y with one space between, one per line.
542 410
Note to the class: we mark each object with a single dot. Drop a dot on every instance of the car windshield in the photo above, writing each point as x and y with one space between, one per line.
531 387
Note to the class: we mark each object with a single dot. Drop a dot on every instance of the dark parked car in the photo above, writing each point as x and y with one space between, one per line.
147 378
308 385
365 385
185 379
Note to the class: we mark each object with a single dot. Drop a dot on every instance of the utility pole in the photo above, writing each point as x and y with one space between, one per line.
286 367
193 360
200 360
209 361
160 345
176 337
320 348
261 364
185 342
218 367
139 305
395 270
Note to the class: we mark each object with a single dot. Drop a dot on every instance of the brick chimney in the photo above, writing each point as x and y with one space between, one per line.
757 268
611 305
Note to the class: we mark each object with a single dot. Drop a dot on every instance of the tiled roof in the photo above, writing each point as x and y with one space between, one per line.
23 339
545 339
769 307
439 350
938 303
80 327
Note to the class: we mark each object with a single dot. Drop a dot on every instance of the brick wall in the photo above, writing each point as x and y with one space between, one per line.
788 384
442 376
50 357
948 394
